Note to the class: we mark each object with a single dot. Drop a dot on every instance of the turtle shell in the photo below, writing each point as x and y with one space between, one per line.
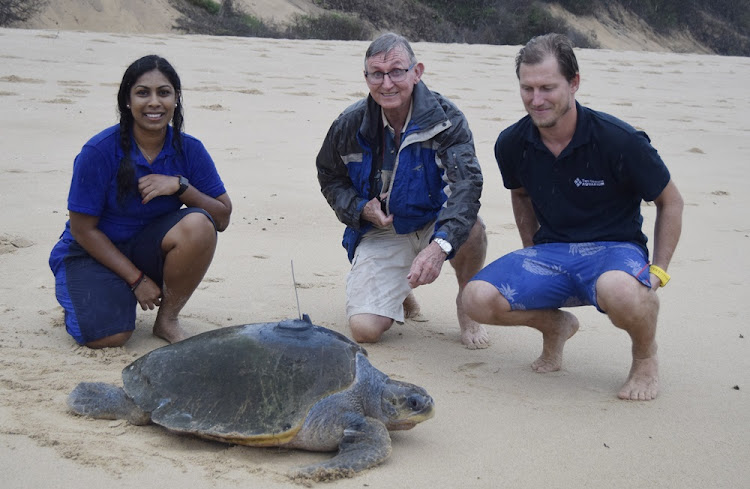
252 384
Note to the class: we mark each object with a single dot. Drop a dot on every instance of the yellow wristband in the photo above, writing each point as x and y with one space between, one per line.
663 276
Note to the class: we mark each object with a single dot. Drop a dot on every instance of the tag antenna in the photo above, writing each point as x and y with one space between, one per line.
299 311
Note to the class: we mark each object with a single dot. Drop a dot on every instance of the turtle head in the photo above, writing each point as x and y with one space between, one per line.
404 405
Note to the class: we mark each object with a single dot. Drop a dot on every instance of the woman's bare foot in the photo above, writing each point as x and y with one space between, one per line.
169 330
553 343
643 381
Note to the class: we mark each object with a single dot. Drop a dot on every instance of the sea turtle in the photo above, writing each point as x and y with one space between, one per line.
291 384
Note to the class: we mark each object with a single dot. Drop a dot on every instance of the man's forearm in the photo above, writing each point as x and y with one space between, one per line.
526 221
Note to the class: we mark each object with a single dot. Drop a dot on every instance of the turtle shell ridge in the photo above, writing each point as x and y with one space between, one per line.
252 384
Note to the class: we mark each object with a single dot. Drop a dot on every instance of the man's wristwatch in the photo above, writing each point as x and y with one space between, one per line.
184 184
444 245
663 276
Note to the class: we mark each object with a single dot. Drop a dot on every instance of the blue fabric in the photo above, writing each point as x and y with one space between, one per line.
417 193
555 275
418 190
437 175
593 190
97 302
93 188
389 161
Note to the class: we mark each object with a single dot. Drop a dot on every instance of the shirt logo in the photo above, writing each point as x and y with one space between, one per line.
582 182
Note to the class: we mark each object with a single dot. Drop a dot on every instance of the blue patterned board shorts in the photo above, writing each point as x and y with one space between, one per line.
554 275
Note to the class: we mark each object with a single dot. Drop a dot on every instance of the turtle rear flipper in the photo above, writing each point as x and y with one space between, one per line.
105 401
364 446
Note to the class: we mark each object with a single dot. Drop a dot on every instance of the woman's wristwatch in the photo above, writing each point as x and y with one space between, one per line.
184 184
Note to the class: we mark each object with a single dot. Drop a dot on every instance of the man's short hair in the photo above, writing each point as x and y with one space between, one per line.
388 42
557 45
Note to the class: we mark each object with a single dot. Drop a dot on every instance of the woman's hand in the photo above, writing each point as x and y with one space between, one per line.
148 294
154 185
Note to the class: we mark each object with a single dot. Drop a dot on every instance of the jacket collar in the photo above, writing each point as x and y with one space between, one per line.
426 112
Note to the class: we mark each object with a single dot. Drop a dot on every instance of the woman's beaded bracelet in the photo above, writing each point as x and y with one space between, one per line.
137 282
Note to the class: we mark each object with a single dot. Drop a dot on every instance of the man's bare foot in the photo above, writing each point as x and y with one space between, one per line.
169 330
553 343
412 309
643 381
474 336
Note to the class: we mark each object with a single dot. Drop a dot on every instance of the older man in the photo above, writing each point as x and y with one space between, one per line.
577 178
400 170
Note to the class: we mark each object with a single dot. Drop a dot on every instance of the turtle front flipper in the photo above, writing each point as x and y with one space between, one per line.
364 445
105 401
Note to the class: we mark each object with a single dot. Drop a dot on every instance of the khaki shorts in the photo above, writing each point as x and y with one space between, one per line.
377 282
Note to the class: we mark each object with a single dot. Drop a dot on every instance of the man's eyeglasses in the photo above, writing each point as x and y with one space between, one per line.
396 75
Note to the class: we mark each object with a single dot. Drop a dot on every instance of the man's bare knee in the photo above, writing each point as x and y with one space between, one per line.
470 256
368 328
619 291
476 243
483 302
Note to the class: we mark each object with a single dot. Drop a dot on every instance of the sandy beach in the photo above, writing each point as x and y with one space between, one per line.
262 108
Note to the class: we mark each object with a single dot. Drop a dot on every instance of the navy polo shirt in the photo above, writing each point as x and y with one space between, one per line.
593 190
93 188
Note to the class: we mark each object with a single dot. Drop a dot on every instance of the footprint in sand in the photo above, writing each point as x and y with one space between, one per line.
213 280
72 83
467 368
9 244
208 88
77 92
18 79
312 285
59 100
215 107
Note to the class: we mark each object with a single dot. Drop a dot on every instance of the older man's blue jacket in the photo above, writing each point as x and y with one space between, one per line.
436 176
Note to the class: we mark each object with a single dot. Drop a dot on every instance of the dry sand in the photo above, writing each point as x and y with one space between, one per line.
262 108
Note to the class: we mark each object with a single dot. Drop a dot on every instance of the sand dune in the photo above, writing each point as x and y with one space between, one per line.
626 32
147 16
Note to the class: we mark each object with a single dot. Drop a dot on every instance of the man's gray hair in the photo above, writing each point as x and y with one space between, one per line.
387 43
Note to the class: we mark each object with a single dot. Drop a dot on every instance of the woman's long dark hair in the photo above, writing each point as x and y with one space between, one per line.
126 182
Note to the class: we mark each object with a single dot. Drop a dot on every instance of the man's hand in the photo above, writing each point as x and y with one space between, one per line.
426 267
373 213
154 185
